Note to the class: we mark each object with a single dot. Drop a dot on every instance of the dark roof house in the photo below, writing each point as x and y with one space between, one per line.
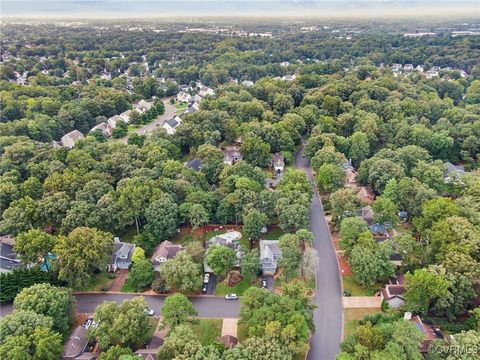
76 344
164 251
194 164
122 254
8 258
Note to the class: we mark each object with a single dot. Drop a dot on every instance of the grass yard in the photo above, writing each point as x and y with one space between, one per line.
273 234
242 331
181 107
353 315
100 282
128 288
207 330
223 289
129 233
349 285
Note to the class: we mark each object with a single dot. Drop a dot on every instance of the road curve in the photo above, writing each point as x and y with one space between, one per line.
170 111
328 317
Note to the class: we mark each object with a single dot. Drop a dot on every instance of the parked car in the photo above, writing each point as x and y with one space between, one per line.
206 278
231 297
149 312
264 283
204 288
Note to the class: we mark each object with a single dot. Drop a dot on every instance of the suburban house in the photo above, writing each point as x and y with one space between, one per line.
121 255
430 333
103 127
278 162
171 125
229 332
393 292
270 253
452 172
232 155
76 344
183 96
8 258
164 251
142 106
247 83
366 213
69 139
126 116
112 121
151 350
365 195
194 164
230 239
289 77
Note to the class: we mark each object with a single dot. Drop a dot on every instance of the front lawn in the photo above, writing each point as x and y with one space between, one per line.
352 315
181 107
273 234
128 288
207 330
354 289
99 282
223 289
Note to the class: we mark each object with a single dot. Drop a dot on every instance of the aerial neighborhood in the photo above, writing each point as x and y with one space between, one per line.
239 189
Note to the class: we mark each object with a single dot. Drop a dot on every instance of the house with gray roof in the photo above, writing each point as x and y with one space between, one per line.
194 164
121 255
171 125
270 253
232 155
453 173
76 344
278 162
8 258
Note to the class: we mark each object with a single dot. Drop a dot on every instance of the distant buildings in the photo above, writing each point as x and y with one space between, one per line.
232 155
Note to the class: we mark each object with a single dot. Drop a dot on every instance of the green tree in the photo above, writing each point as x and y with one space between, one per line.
351 228
359 147
291 256
256 152
181 342
342 201
141 275
23 322
34 245
126 324
138 254
44 299
422 288
115 353
121 129
221 259
162 217
370 262
330 177
42 344
385 211
253 222
176 310
250 264
182 273
310 263
198 216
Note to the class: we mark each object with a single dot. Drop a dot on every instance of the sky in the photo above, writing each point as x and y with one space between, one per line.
76 9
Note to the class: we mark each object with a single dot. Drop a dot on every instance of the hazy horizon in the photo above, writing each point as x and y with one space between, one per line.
150 9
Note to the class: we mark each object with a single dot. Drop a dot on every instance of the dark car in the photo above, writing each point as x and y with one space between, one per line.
204 288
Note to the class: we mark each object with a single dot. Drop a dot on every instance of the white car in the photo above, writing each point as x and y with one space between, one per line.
206 278
231 297
149 312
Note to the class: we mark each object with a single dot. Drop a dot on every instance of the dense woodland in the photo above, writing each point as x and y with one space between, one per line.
345 103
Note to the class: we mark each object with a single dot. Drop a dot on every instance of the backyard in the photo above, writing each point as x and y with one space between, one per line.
207 330
351 288
352 316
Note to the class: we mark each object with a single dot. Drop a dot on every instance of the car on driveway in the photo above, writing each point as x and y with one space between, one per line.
264 283
231 297
206 278
149 312
204 288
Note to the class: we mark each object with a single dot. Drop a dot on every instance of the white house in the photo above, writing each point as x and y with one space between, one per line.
270 253
248 83
103 127
125 116
183 96
205 91
69 139
143 106
171 125
278 162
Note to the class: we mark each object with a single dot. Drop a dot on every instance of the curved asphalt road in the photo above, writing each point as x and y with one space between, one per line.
328 317
170 111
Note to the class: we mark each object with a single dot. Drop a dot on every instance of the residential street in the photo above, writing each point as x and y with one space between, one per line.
325 344
207 306
170 112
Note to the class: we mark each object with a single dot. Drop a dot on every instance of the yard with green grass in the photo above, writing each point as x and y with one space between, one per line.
223 289
350 286
181 107
353 315
207 330
100 282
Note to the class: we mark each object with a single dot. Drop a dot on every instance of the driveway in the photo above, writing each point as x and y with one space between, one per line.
212 284
328 317
170 111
